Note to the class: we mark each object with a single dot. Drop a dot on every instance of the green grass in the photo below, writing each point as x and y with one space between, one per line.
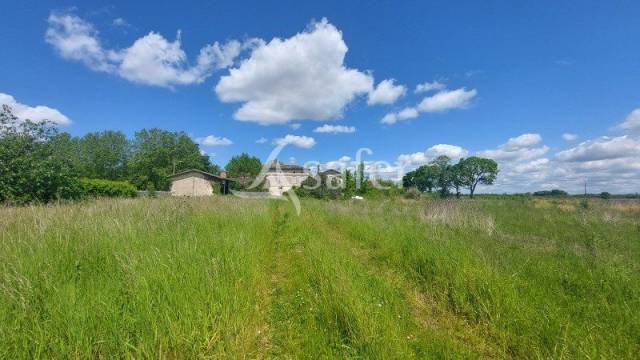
226 277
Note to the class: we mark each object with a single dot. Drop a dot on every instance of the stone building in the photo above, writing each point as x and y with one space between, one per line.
332 177
198 183
282 177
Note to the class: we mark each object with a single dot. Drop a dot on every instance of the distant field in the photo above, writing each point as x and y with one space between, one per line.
225 277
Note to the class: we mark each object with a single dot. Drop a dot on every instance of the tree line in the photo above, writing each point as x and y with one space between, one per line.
444 176
40 164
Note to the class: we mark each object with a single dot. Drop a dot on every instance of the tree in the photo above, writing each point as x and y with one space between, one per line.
422 178
159 153
457 180
30 169
476 170
104 155
444 178
244 167
362 183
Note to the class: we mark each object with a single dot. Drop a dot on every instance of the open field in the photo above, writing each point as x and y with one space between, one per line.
224 277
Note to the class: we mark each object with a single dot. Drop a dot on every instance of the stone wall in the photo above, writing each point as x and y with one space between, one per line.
279 182
191 186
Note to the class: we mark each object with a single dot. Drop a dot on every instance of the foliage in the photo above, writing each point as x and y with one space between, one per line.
423 178
245 168
107 188
554 192
103 155
318 187
159 153
475 170
444 178
30 168
605 195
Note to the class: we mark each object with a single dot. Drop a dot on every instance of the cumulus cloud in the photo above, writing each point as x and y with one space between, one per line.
304 142
386 93
335 129
420 158
34 113
632 123
212 140
404 114
262 140
602 148
295 126
150 60
442 101
518 148
446 100
429 86
569 137
300 78
522 141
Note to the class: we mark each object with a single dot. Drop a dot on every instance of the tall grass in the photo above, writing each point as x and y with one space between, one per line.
226 277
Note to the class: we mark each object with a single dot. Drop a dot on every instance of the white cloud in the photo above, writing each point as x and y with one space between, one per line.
335 129
34 113
295 126
440 102
304 142
519 148
262 140
150 60
429 86
602 148
409 161
569 137
299 78
213 140
404 114
522 141
632 123
446 100
386 93
452 151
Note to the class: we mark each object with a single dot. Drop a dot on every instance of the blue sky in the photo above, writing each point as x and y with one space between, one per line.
506 80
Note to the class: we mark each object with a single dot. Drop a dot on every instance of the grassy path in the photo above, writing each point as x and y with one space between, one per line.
329 303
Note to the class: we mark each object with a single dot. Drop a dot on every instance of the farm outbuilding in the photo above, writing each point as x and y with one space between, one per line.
198 183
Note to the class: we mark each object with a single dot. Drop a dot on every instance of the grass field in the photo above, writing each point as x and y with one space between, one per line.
225 277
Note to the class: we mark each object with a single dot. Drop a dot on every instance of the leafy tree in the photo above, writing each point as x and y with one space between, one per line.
104 155
362 183
457 180
423 178
159 153
30 169
349 184
444 178
476 170
244 167
605 195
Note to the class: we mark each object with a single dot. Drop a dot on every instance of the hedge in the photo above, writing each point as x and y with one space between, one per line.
107 188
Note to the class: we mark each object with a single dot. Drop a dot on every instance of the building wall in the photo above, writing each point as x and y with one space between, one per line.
279 182
191 186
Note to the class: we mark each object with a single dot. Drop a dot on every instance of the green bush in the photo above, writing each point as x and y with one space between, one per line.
107 188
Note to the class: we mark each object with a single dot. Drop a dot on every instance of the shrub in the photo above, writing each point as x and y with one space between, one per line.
107 188
412 193
605 195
